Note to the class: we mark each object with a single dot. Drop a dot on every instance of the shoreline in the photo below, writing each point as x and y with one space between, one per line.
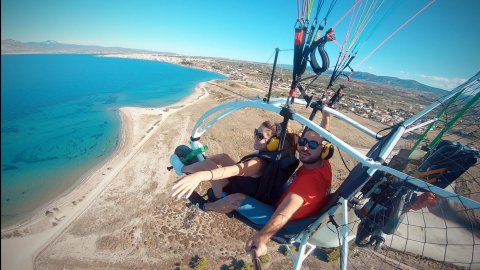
38 213
171 59
22 242
48 206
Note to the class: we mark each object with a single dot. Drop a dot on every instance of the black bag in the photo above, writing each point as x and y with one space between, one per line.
454 158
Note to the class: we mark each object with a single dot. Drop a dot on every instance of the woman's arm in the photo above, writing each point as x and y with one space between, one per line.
212 162
186 185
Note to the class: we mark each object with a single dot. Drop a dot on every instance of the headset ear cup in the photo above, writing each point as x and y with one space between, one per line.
272 144
327 151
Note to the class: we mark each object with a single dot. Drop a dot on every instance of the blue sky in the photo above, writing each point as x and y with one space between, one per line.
438 48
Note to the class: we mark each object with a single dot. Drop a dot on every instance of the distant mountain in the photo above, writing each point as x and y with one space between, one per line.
391 81
394 81
51 46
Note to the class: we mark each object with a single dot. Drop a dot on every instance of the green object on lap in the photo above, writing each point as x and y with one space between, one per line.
194 153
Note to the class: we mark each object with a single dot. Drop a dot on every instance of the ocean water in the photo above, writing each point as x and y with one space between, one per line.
60 119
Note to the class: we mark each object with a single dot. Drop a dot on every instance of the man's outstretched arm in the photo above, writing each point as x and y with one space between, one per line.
282 215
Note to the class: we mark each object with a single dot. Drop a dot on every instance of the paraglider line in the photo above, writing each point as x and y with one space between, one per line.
394 33
344 15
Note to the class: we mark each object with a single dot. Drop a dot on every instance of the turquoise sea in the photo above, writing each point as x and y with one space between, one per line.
60 119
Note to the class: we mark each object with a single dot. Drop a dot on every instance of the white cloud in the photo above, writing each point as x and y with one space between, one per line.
370 67
442 82
403 72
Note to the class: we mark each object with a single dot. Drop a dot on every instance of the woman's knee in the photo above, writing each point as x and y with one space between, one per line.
222 160
237 197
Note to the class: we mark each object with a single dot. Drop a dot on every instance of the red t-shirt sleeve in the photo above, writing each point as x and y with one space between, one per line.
314 188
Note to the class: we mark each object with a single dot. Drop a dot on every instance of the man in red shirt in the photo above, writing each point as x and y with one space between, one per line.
306 194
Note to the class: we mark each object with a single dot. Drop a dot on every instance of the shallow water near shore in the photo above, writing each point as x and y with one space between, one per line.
60 118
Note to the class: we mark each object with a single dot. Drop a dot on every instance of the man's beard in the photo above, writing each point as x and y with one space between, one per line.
311 161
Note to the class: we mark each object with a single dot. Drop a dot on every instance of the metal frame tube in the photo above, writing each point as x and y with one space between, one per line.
343 261
349 120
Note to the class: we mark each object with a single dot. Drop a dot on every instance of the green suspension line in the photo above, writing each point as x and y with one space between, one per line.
439 115
455 119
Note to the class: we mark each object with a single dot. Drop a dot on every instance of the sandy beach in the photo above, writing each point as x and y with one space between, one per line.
21 243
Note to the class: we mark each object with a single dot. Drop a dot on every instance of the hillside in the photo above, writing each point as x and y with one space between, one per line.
384 80
10 46
394 81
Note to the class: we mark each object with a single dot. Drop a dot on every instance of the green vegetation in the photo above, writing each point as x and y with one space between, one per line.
247 266
264 259
199 263
181 266
333 254
238 265
283 249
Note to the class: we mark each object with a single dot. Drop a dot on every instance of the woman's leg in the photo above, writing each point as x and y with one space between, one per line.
226 204
213 162
217 187
223 160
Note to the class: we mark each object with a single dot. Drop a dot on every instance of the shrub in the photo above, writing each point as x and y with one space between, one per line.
264 259
199 263
333 255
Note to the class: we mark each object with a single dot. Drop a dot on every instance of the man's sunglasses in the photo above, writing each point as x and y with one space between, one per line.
258 134
311 144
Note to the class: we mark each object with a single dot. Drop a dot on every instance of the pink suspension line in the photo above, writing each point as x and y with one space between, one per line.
298 10
346 13
393 34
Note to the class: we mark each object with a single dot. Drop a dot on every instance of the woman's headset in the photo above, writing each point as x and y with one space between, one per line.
274 142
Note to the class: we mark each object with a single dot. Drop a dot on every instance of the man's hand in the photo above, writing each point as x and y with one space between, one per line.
255 244
185 186
289 205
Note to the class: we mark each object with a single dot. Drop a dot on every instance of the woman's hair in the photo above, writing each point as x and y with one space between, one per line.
291 139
